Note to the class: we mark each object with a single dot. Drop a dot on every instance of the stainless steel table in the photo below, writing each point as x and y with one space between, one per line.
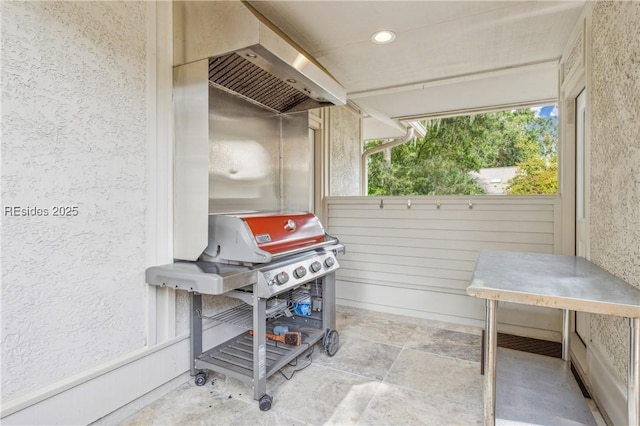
563 282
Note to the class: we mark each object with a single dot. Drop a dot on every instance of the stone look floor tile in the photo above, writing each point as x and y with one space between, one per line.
237 389
348 313
449 378
253 416
192 405
376 329
389 370
362 357
448 326
321 395
344 316
454 344
394 405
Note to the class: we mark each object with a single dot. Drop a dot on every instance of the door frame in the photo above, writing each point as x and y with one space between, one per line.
583 175
574 79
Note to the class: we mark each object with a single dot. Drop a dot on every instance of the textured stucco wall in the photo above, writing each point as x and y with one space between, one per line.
73 134
615 161
345 149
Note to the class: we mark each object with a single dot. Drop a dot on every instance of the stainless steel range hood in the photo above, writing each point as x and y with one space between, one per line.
241 90
250 57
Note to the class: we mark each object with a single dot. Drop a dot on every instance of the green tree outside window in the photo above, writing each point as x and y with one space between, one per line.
440 162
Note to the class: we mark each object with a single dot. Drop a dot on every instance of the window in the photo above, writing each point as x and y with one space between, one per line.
502 152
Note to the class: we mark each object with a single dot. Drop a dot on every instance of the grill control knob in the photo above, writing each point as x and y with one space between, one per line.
329 262
300 272
282 278
315 266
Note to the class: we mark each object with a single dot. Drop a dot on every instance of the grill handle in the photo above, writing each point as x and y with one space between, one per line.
316 246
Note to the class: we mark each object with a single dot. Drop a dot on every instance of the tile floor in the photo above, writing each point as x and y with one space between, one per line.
390 370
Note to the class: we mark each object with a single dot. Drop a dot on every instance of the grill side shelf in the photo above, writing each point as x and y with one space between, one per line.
235 356
190 276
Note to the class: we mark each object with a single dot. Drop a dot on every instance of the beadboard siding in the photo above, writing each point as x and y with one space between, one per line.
419 260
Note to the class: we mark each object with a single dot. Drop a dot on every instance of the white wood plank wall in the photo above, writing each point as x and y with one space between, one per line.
418 260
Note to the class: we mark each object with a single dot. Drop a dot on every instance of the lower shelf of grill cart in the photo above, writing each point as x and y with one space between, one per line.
235 356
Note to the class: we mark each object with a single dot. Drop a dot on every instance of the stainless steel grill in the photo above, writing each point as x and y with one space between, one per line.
275 263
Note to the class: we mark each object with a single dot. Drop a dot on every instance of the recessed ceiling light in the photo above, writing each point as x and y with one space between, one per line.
252 55
382 37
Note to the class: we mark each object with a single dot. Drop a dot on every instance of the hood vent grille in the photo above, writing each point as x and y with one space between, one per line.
240 76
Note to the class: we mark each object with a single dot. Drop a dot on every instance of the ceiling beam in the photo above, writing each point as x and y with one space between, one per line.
543 65
477 110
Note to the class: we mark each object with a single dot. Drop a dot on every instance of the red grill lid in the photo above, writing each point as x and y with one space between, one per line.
256 237
280 232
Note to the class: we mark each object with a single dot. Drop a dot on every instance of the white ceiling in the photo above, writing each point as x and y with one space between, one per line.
448 55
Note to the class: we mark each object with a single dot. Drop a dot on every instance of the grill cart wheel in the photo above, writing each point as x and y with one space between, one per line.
201 379
265 402
331 342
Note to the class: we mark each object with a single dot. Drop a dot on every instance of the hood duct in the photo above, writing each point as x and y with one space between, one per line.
249 57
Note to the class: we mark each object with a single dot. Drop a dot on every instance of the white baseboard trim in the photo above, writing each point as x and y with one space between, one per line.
123 413
91 395
607 390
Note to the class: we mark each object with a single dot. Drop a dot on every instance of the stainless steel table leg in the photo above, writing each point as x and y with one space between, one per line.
566 321
490 348
633 389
